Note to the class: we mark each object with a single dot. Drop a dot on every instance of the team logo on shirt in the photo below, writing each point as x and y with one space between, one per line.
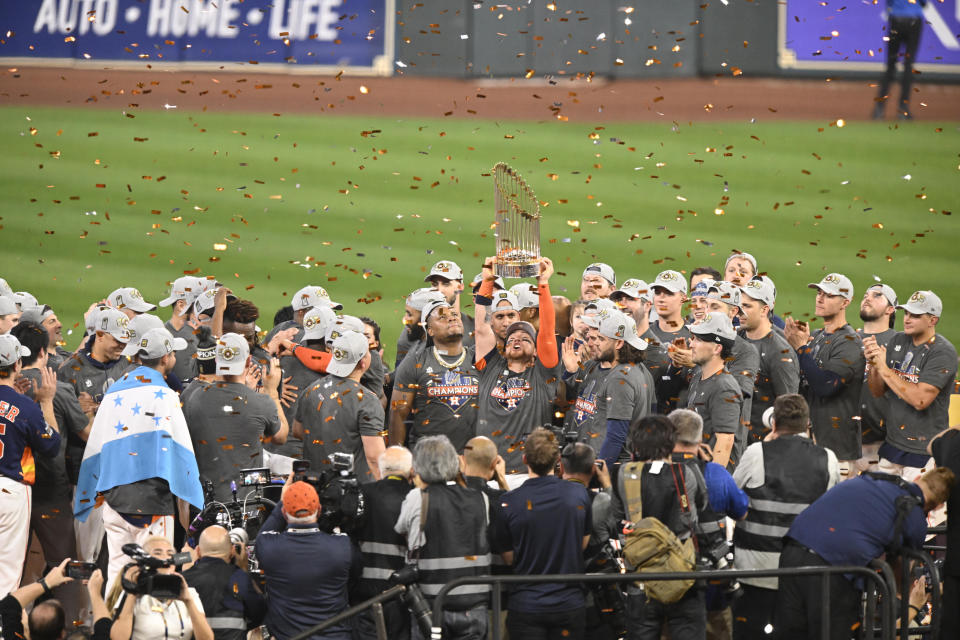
510 392
453 389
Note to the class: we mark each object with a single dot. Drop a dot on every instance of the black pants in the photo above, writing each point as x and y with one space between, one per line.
567 625
685 619
752 612
53 523
905 33
799 611
950 608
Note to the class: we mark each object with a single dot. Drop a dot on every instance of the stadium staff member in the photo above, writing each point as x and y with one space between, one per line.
519 386
229 421
445 526
436 386
543 527
304 594
878 310
383 550
230 602
915 373
782 476
337 414
26 428
851 524
779 371
832 364
714 394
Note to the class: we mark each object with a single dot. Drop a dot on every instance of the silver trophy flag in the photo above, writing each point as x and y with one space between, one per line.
517 225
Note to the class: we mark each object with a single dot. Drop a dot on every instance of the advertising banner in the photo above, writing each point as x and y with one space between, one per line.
314 36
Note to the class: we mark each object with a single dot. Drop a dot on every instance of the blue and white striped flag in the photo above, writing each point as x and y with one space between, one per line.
139 432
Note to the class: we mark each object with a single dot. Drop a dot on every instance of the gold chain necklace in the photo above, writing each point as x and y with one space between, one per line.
453 365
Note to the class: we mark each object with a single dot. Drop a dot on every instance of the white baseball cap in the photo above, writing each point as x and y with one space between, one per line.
617 325
183 288
316 321
432 306
419 298
5 289
744 255
834 284
715 327
633 288
310 297
527 295
24 300
341 325
761 289
595 310
137 327
670 280
725 292
8 306
36 315
232 354
887 291
129 298
114 322
445 269
156 343
11 350
504 295
922 302
497 282
601 269
347 350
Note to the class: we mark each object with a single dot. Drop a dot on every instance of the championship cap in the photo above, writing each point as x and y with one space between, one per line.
316 322
744 255
347 350
114 322
5 289
504 295
24 300
300 500
36 315
497 283
420 297
137 327
885 289
527 295
8 306
725 292
156 343
129 298
343 324
90 318
633 288
715 327
184 288
761 289
618 325
672 281
232 353
922 302
834 284
310 297
430 307
205 303
600 305
702 288
445 269
605 271
11 350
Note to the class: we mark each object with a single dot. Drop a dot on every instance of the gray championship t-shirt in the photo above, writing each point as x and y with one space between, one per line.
283 326
404 345
671 383
630 396
717 399
445 396
833 416
587 414
301 377
373 377
227 422
511 405
872 409
186 367
743 365
335 412
933 362
779 374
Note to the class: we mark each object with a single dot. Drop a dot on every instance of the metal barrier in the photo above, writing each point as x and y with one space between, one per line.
883 589
376 601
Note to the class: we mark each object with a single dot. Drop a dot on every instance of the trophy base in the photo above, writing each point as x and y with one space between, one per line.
517 270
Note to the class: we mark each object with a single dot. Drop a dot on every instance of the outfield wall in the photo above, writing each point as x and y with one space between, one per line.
476 38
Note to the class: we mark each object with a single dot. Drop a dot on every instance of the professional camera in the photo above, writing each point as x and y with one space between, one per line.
609 599
162 586
341 501
413 597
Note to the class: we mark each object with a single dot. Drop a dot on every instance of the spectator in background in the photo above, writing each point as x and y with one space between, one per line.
903 32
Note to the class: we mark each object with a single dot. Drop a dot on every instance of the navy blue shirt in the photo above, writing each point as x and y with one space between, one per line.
543 522
23 431
308 573
852 523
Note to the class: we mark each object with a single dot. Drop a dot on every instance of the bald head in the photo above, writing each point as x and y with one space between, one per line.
47 621
396 461
215 541
479 456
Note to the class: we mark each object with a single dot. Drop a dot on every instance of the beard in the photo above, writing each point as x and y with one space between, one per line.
608 356
454 336
415 332
869 316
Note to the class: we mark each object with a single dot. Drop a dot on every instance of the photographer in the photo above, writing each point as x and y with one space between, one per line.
307 570
143 617
230 601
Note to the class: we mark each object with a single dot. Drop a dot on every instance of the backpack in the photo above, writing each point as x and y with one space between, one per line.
650 546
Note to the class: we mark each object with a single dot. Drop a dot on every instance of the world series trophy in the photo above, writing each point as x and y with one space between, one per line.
517 225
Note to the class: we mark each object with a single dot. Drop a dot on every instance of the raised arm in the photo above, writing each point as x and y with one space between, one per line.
546 337
484 339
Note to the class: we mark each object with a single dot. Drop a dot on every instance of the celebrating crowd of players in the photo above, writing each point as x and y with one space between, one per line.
526 434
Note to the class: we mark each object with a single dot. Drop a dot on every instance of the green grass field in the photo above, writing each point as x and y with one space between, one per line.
97 199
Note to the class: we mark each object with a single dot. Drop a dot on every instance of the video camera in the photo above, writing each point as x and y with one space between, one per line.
163 586
341 500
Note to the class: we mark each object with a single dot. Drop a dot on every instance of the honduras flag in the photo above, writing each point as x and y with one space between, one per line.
139 432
